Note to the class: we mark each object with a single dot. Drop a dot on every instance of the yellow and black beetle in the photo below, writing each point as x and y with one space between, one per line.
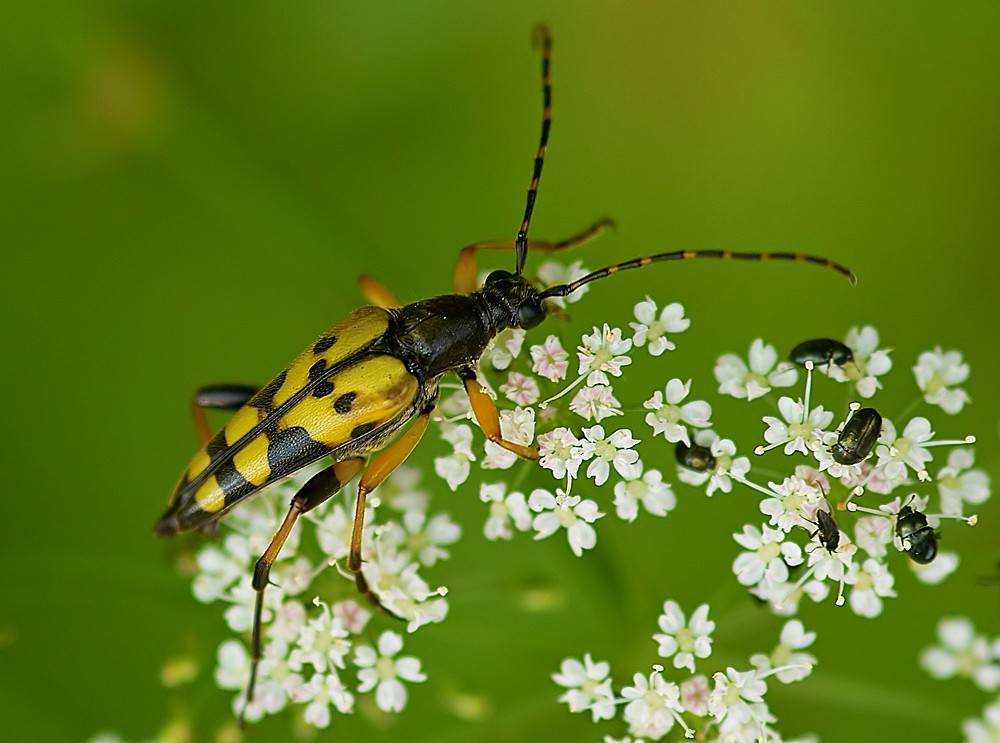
356 387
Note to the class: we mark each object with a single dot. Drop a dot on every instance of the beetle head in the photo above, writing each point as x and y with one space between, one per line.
520 301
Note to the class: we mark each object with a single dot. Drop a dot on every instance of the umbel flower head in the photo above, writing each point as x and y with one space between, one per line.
816 519
656 704
962 652
839 517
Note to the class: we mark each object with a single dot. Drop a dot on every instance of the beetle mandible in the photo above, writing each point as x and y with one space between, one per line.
353 391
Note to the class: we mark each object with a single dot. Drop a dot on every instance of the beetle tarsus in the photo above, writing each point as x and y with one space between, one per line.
255 653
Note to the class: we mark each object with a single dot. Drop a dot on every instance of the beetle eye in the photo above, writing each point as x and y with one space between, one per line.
498 275
529 316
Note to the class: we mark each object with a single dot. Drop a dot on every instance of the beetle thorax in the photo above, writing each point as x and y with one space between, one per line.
451 332
442 334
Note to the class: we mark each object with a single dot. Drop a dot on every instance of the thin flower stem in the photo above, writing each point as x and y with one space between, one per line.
855 507
970 520
905 413
545 403
805 666
809 380
754 486
950 442
761 449
798 584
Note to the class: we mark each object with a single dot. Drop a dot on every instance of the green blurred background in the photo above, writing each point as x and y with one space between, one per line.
189 190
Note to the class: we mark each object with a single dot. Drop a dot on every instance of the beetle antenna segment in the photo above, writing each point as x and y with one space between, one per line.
561 290
543 37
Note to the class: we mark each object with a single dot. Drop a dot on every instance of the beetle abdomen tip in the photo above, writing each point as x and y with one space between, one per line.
167 526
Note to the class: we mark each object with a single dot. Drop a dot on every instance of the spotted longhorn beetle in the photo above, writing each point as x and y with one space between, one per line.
352 392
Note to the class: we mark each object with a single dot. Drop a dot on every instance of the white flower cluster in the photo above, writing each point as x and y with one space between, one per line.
816 533
572 450
963 653
320 653
313 648
726 705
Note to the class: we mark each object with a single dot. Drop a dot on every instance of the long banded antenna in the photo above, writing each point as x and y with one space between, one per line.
543 37
561 290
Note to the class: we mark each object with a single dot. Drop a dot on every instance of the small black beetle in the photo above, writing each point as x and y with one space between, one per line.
828 530
694 457
821 351
917 537
858 437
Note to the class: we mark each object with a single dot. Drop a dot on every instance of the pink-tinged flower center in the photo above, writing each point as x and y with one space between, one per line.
695 697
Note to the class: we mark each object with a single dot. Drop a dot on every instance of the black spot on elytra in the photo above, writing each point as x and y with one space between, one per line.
231 480
216 446
289 449
316 370
265 398
344 403
323 388
324 344
361 430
